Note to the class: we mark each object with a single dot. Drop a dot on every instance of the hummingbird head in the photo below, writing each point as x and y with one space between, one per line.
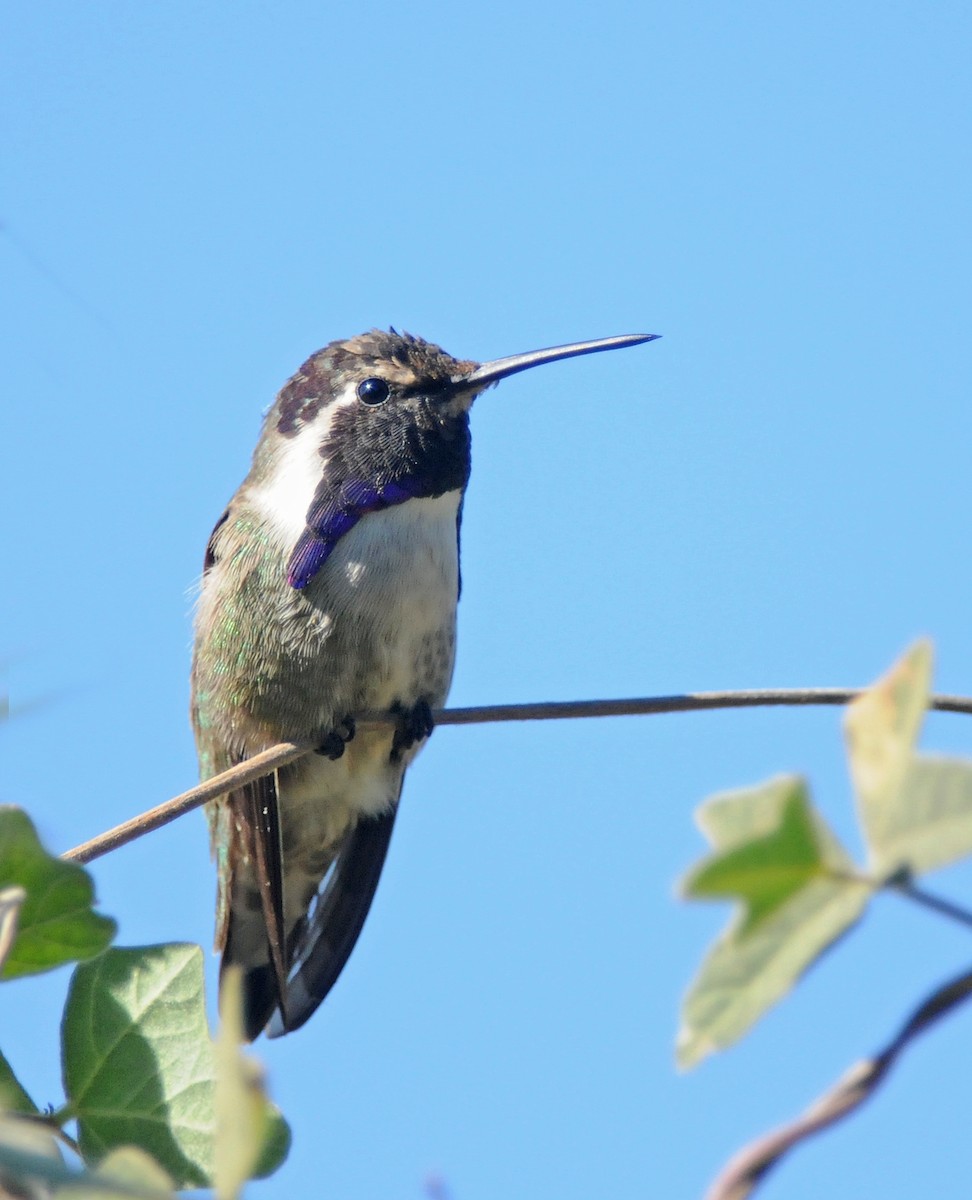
377 380
375 421
407 378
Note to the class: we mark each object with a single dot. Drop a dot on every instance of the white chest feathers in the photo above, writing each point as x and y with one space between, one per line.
393 582
386 596
403 561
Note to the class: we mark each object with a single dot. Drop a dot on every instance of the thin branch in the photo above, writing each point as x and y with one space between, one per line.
236 777
903 883
911 891
286 752
54 1122
747 1169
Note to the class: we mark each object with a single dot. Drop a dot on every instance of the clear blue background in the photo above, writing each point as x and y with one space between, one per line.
196 196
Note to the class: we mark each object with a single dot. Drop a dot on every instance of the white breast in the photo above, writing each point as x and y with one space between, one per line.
387 593
398 569
396 572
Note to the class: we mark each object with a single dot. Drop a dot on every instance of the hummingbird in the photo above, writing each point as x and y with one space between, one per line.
329 588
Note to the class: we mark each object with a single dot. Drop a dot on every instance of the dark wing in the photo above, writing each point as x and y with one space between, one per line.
255 815
209 561
336 920
264 821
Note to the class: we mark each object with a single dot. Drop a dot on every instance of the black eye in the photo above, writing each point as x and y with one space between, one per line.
372 391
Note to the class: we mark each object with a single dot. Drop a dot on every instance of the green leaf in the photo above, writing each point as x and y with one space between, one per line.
31 1165
138 1061
928 823
13 1098
56 924
126 1172
247 1124
276 1145
794 882
881 728
763 872
28 1176
30 1158
915 809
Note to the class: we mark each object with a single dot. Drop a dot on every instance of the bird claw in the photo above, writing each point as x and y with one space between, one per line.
414 725
333 743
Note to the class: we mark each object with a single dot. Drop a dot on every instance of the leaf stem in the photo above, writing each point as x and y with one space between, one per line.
60 1116
905 886
54 1122
69 1142
903 883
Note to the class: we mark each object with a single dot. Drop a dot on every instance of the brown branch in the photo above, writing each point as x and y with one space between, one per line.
254 768
286 752
747 1169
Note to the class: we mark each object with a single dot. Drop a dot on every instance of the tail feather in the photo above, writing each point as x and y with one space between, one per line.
336 922
318 949
251 897
259 997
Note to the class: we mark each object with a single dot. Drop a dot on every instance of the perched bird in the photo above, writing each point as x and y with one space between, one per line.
329 588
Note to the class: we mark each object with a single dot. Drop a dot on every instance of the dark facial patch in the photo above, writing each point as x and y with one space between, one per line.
375 460
414 444
398 357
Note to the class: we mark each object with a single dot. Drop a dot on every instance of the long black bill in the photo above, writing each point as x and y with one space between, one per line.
499 368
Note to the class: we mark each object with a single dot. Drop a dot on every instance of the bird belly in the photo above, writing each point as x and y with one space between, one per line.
390 587
374 628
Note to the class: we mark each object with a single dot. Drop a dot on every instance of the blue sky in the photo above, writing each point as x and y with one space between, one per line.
195 197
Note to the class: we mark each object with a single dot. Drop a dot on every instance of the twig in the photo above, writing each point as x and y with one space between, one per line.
53 1122
286 752
911 891
903 883
746 1170
254 768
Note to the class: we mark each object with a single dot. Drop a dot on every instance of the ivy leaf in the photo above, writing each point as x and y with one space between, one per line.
136 1058
125 1174
248 1127
138 1061
915 809
761 872
30 1159
31 1166
796 891
13 1097
56 923
927 823
881 727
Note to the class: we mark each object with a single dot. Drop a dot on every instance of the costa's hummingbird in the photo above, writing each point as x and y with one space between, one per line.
329 588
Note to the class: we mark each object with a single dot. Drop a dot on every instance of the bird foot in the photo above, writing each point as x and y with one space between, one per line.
414 725
333 743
